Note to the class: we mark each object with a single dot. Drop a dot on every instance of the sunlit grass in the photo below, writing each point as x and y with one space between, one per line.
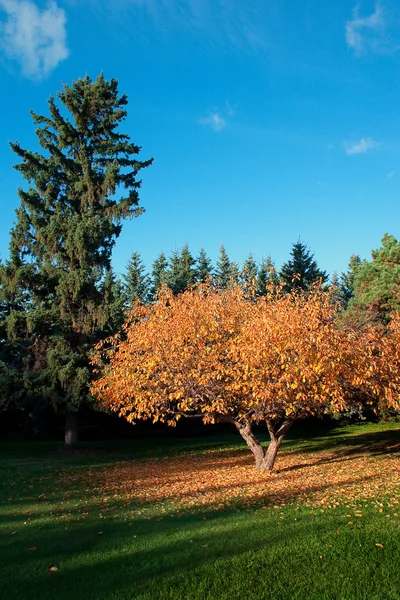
163 520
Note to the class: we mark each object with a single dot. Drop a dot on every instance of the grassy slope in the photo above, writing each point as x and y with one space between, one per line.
108 543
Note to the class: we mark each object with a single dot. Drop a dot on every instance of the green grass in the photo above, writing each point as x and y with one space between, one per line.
109 547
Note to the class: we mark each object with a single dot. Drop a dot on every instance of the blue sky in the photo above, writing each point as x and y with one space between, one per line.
267 121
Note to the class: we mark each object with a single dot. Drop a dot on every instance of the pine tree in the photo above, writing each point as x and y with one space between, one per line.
302 270
204 268
61 244
267 276
159 274
114 304
348 278
226 271
137 281
249 272
181 272
376 283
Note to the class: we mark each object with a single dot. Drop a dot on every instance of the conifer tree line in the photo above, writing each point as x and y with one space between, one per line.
181 270
59 295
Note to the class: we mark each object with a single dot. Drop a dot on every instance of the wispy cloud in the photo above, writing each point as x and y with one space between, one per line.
230 110
245 25
361 147
216 122
367 33
219 119
390 174
35 38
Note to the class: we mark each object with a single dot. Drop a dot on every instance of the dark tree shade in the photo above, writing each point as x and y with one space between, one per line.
301 271
57 283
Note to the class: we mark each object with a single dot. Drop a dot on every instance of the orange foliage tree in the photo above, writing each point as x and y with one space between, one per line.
225 357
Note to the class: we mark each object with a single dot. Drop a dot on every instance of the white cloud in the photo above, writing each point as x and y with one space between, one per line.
364 33
215 120
390 174
36 38
361 147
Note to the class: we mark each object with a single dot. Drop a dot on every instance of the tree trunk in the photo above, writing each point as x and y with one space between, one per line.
71 430
268 461
264 458
256 448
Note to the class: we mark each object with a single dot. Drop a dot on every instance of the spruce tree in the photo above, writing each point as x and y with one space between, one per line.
137 281
204 268
182 271
225 269
57 280
159 274
248 273
267 276
302 270
347 279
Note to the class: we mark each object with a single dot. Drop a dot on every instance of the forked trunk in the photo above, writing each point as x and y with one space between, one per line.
71 431
268 460
264 458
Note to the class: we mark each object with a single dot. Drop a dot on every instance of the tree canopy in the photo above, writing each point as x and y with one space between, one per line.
213 353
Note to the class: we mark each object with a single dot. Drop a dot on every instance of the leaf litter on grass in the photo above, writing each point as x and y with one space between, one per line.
218 479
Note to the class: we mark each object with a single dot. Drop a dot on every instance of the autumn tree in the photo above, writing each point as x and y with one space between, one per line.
57 283
213 353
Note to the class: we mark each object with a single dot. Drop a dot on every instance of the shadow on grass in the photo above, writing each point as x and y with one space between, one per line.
202 555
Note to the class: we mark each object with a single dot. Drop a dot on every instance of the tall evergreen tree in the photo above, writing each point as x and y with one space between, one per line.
301 271
114 303
347 280
137 281
159 274
182 270
57 282
267 276
376 283
203 268
249 273
226 271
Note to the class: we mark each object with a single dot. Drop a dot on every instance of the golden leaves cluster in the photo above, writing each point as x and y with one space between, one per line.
220 354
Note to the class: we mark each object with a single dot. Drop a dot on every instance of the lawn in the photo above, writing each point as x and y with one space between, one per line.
192 519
